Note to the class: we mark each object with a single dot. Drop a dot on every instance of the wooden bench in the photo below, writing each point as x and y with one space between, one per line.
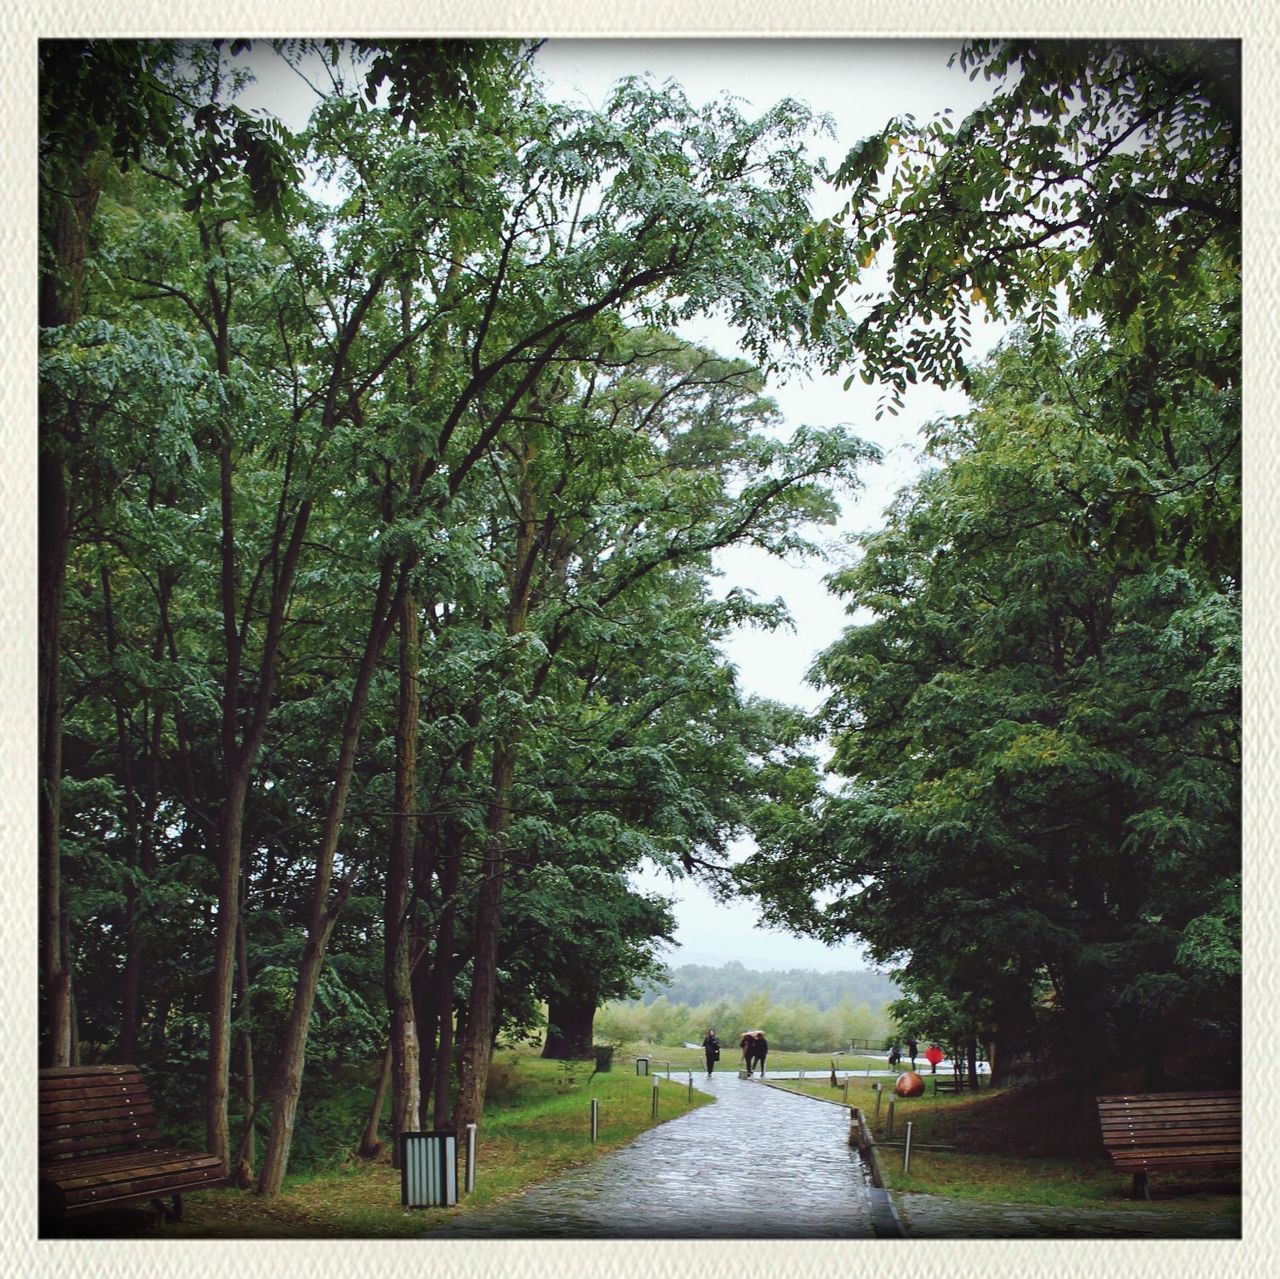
100 1147
951 1082
1150 1132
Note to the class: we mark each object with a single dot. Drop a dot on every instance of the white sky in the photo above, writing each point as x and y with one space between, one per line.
860 84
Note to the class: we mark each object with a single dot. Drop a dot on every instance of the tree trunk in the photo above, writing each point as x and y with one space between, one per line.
370 1145
55 975
323 912
476 1042
570 1019
217 1127
405 1094
248 1151
67 207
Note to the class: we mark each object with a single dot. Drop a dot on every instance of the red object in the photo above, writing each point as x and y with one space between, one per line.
933 1054
909 1084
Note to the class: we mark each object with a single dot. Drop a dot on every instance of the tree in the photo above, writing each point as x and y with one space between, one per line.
1102 169
441 400
1040 725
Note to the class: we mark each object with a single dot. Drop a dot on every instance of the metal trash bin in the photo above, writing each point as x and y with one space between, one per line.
642 1065
428 1169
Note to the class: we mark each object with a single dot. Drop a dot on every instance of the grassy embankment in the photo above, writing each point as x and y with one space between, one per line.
1029 1145
536 1124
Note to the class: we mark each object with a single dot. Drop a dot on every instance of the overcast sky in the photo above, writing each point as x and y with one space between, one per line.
860 84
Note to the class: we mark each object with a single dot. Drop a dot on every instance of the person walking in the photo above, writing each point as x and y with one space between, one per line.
748 1045
762 1051
911 1051
711 1047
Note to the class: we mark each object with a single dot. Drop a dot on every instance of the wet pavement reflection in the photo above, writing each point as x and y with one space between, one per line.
757 1164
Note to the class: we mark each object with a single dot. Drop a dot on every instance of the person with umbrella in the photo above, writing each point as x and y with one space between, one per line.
762 1050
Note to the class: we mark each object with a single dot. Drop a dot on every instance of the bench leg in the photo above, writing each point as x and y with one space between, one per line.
1140 1188
169 1214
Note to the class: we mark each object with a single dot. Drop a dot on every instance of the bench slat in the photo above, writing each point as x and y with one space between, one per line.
69 1116
122 1131
53 1097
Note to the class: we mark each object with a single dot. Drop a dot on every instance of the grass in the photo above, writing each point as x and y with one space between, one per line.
685 1059
1033 1146
536 1124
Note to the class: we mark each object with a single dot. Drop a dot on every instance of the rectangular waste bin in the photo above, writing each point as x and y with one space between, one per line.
428 1169
642 1065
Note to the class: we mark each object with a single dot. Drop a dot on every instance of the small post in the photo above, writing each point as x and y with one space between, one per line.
653 1106
595 1120
906 1148
888 1132
471 1158
691 1085
879 1091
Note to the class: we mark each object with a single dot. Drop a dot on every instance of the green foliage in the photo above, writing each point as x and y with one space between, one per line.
1110 170
792 1026
1040 724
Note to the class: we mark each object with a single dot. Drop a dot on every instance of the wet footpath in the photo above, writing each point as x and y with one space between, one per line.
757 1164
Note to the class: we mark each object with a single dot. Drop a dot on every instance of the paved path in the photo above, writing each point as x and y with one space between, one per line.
687 1178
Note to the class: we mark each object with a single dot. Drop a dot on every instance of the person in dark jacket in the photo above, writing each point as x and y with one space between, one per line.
711 1047
762 1051
748 1046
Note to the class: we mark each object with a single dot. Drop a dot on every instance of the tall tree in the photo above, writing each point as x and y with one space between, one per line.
1040 727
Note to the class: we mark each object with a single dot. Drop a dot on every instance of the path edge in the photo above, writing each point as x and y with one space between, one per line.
885 1220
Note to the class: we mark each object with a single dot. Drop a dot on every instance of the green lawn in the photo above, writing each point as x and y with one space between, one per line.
685 1059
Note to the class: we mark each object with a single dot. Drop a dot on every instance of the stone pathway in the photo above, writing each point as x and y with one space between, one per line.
758 1164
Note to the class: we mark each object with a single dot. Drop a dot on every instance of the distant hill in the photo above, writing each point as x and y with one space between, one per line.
696 984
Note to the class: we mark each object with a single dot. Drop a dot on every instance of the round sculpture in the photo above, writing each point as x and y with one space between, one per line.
909 1084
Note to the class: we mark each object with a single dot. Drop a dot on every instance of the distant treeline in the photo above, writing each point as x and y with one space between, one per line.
800 1009
697 984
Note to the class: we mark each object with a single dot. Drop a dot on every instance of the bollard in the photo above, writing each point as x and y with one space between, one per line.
879 1091
653 1109
595 1120
691 1085
471 1158
906 1148
888 1132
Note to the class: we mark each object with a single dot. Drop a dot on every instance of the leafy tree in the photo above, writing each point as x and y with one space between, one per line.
1107 170
1040 727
